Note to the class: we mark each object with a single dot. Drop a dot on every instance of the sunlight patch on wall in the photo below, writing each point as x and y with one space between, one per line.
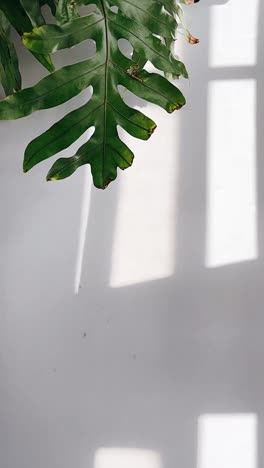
227 441
126 458
231 173
83 226
144 237
233 34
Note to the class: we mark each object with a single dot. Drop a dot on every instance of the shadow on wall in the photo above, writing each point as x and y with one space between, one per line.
158 361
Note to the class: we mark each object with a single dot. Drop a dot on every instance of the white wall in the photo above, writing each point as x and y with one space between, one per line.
167 325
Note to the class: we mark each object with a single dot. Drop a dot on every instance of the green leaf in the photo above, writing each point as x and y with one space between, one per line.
18 17
32 8
146 25
151 14
66 11
10 77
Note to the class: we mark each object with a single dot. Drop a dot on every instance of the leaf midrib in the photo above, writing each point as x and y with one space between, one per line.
107 44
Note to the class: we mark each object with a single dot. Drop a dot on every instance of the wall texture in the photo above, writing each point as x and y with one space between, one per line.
121 334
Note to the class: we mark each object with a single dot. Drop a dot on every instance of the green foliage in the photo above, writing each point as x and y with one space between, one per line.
148 25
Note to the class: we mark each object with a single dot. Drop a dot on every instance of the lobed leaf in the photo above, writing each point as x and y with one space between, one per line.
150 27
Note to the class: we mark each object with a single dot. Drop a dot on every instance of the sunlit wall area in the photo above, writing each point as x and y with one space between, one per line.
231 173
231 134
233 31
144 235
85 209
227 441
127 458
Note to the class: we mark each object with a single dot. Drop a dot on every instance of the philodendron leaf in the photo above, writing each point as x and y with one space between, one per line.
149 26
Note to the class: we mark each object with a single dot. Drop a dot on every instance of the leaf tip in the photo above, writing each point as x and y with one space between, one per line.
152 129
174 107
51 178
193 40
